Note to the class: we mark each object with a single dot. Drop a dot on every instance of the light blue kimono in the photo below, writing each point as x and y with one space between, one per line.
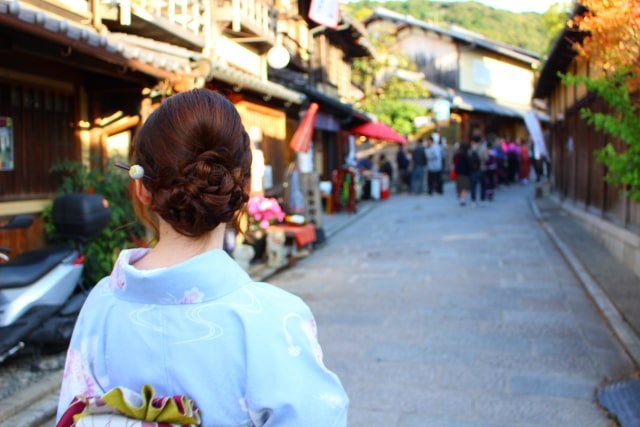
245 352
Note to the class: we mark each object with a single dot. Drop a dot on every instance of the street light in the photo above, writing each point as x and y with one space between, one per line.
278 56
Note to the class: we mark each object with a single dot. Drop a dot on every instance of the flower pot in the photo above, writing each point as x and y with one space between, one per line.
258 240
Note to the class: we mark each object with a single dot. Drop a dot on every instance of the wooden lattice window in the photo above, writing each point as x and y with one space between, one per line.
44 132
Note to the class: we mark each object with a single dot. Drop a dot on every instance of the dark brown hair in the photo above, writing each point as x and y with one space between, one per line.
197 162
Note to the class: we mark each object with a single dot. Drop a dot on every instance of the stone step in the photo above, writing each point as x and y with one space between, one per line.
622 400
33 406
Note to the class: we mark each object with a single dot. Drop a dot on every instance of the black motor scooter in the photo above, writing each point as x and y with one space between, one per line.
41 290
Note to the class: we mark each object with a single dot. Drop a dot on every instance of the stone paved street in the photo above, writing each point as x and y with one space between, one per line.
439 315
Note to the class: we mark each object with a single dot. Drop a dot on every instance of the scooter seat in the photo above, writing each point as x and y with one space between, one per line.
29 266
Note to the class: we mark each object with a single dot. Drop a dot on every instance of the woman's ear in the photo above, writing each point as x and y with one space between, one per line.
141 192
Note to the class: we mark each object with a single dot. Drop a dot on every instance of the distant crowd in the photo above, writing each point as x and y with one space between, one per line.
478 168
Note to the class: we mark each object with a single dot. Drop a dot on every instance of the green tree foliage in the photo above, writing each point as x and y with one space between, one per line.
555 19
391 104
122 230
385 95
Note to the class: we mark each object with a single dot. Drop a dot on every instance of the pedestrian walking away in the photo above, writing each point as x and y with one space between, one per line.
404 173
419 165
434 167
463 171
475 169
513 162
491 174
182 319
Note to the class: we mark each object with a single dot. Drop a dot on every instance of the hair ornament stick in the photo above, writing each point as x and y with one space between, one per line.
135 171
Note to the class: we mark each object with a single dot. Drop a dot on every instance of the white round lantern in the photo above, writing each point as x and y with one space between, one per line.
278 57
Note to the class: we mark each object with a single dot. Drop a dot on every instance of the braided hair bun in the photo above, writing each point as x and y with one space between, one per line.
197 156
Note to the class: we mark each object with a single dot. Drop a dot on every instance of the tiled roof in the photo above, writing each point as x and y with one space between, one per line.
154 58
147 56
458 34
560 57
220 71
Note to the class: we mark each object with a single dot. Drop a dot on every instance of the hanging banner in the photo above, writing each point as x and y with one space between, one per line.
325 12
6 144
533 126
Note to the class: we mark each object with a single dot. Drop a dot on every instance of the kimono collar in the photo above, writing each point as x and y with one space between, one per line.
205 277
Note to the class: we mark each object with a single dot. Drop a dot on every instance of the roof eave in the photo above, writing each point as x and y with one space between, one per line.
559 59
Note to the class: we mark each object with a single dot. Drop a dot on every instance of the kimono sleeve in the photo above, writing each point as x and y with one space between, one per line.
78 378
288 383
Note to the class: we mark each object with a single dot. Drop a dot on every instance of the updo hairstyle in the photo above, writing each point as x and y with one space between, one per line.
196 156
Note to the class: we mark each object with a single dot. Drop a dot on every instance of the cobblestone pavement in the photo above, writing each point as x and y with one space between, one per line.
439 315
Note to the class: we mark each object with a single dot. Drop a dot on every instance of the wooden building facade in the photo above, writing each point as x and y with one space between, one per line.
487 86
577 178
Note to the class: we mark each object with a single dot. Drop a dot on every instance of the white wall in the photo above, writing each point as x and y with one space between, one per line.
238 56
484 75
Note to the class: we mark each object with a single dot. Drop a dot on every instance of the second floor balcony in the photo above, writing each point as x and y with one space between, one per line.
246 20
185 23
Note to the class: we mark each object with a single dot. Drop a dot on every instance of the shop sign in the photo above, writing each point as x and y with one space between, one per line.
6 144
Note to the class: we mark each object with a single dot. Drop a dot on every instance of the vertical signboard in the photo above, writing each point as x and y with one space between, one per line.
442 109
6 144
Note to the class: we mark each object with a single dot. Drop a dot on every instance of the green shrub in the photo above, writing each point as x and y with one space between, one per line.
123 229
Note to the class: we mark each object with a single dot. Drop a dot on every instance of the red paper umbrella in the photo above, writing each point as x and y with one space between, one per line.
378 130
301 140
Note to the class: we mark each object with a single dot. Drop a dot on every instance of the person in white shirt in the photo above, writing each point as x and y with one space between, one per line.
434 167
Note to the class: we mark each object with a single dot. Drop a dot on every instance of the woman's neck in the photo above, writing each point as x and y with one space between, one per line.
173 248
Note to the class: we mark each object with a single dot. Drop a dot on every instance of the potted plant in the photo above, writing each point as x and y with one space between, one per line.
262 212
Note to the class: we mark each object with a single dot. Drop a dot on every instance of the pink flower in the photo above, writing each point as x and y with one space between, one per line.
192 296
264 211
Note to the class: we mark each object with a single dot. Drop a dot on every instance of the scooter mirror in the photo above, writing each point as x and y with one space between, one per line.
18 221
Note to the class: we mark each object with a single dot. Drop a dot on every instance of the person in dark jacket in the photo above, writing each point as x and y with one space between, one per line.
404 173
419 160
384 166
463 171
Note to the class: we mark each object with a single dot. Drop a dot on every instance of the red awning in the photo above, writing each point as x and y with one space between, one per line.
301 140
378 130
